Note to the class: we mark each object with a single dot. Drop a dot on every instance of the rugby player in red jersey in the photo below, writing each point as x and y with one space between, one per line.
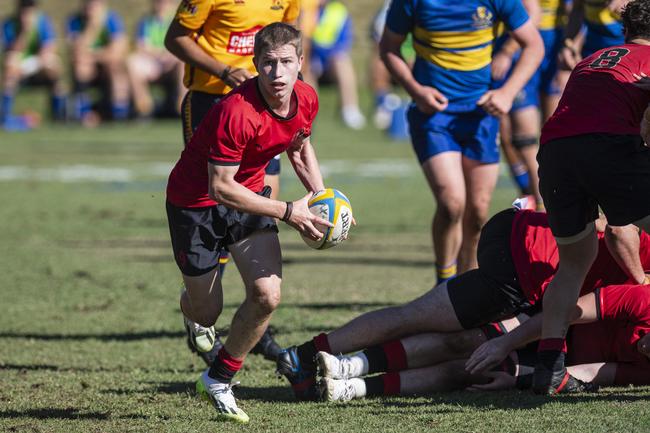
607 345
517 257
592 155
216 197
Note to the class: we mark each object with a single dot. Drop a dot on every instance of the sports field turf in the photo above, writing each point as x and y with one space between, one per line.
90 331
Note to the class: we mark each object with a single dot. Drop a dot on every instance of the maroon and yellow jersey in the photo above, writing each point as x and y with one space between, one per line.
225 29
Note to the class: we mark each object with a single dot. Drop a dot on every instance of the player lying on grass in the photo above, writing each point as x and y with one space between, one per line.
517 257
216 198
607 345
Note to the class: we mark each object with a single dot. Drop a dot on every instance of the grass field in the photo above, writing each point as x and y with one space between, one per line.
90 332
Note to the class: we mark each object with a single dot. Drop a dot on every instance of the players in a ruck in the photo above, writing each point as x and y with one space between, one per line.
517 257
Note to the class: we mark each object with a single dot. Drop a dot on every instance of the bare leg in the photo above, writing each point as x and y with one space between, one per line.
202 299
562 293
429 313
348 93
141 71
480 180
423 350
259 260
444 173
526 126
447 376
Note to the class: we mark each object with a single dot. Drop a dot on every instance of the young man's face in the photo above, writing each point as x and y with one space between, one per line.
278 70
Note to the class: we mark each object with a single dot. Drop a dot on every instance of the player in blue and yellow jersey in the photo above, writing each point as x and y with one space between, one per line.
151 62
29 45
215 39
452 119
602 20
99 48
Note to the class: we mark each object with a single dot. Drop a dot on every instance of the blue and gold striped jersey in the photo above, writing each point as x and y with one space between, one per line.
453 41
604 27
553 14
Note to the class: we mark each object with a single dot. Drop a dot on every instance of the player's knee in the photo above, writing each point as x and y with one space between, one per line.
451 209
459 343
265 295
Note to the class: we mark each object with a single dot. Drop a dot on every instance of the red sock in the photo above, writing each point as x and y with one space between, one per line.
395 356
225 366
391 384
321 343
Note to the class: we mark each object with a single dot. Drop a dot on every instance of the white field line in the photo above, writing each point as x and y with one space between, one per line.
376 168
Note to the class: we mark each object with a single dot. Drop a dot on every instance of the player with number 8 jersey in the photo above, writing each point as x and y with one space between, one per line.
592 155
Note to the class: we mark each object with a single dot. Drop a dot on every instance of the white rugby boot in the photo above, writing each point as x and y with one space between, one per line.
222 399
200 337
341 390
342 367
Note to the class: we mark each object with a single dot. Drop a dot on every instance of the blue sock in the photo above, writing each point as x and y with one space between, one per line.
58 107
7 107
120 111
379 98
521 177
81 105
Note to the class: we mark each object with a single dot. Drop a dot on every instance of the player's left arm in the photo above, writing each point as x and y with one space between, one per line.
303 159
489 354
498 102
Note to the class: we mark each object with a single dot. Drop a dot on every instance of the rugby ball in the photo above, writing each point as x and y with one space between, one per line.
331 205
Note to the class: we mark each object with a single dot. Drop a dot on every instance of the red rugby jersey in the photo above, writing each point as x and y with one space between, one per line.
625 317
601 97
239 130
535 256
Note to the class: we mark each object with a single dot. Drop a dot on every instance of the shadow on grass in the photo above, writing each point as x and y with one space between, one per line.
123 336
275 394
70 413
508 400
77 369
331 260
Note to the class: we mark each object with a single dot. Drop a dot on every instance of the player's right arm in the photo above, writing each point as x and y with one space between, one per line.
179 40
224 189
489 354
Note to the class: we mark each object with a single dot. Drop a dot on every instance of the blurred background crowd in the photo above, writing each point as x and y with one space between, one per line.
105 60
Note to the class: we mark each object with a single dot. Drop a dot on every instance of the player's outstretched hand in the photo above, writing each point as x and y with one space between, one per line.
429 100
495 102
304 221
645 126
487 356
237 76
499 380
